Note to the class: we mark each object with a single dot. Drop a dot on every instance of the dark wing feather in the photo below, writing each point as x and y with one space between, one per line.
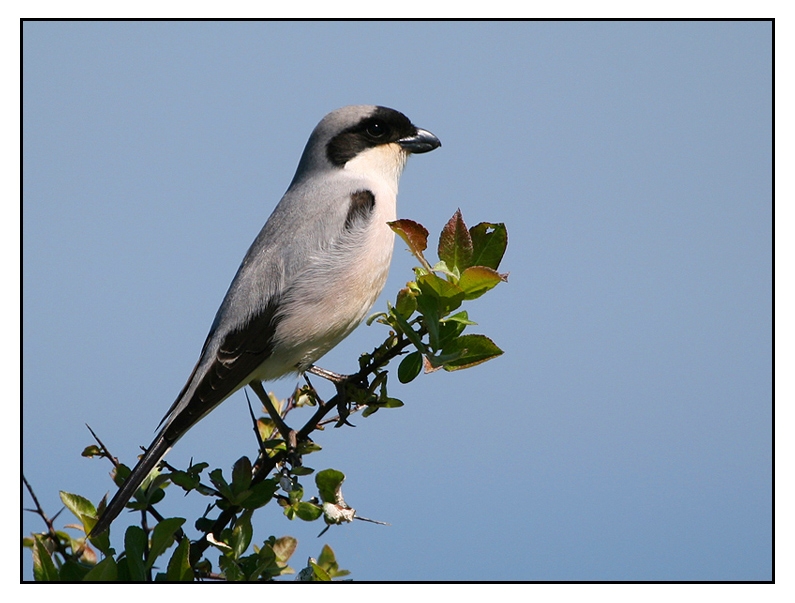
239 354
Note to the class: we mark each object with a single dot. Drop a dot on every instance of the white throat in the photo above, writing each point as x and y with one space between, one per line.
384 162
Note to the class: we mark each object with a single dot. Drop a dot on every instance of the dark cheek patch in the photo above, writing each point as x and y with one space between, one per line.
361 208
344 147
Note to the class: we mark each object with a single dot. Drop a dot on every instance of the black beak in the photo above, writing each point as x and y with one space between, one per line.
422 142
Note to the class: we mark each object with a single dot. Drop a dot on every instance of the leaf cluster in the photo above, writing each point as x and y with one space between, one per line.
59 556
425 310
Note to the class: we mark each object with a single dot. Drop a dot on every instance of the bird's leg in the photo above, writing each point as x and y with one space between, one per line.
338 380
335 378
289 435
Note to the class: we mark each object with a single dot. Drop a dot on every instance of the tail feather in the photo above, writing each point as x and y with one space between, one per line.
153 455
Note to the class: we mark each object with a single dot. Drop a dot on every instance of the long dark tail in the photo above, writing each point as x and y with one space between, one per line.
156 451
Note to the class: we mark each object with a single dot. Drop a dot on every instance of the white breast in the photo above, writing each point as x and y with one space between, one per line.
340 284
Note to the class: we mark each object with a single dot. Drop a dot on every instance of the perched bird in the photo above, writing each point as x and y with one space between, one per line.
308 279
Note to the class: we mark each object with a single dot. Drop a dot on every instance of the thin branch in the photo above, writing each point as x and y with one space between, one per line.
377 361
380 523
336 419
105 451
51 534
38 510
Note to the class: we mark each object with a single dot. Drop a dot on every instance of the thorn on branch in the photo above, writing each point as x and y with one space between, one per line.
51 534
103 449
260 443
257 388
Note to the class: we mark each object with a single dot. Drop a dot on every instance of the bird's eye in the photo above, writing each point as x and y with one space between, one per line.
376 129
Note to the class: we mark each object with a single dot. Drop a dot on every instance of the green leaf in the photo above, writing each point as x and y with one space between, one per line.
328 561
217 478
296 492
204 524
307 447
241 475
231 570
44 569
100 541
488 244
379 316
329 484
185 480
455 244
435 362
476 280
473 349
163 537
91 451
134 548
154 496
72 571
371 409
415 235
179 569
460 317
308 511
104 571
122 571
120 473
241 535
266 428
78 505
197 468
261 494
153 479
327 557
449 294
449 330
406 303
320 574
441 266
274 444
410 367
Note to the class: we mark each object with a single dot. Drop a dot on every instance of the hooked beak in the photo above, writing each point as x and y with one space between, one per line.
422 142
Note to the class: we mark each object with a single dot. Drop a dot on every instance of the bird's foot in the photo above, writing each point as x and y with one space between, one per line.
344 384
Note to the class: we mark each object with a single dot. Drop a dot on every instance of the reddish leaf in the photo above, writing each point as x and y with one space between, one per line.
415 235
455 243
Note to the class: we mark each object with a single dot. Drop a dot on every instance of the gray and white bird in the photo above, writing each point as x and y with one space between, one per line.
311 275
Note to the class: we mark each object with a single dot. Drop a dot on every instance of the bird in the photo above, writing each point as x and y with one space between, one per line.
309 278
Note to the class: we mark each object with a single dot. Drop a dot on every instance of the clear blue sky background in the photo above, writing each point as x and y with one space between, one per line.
626 432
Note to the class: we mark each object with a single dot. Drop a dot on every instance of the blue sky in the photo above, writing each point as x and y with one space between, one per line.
626 432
